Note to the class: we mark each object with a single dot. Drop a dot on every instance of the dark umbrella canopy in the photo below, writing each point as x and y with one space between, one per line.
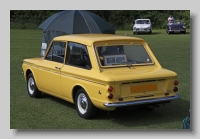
76 22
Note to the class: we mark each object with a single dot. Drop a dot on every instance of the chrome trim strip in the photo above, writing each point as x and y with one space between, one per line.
122 104
66 74
83 79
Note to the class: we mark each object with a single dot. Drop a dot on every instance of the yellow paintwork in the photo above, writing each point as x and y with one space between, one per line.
95 82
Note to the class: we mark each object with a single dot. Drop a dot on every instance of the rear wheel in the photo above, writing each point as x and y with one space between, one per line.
84 106
32 87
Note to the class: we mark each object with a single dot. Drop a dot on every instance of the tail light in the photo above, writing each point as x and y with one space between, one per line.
176 82
120 99
110 96
175 89
110 89
166 94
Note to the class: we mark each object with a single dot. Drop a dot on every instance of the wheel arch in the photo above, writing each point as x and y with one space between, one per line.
28 71
75 89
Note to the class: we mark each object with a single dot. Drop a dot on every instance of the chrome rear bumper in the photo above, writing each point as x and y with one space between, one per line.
139 102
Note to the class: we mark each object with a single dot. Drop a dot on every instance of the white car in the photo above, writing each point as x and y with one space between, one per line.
142 26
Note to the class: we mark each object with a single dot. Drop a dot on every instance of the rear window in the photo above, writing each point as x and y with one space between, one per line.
123 55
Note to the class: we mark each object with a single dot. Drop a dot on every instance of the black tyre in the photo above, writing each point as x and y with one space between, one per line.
150 32
84 106
32 87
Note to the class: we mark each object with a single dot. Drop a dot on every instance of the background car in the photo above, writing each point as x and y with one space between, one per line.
142 26
176 26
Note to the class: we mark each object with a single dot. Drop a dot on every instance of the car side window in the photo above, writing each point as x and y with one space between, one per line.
77 55
56 52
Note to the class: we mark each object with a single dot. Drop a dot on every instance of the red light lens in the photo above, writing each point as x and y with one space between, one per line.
110 89
175 82
166 94
110 96
175 89
120 99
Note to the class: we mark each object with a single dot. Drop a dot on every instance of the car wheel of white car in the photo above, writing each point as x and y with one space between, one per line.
31 87
84 106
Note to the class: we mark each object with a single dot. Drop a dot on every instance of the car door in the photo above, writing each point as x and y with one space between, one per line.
50 67
77 63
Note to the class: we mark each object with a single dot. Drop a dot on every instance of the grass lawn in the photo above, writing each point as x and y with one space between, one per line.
172 51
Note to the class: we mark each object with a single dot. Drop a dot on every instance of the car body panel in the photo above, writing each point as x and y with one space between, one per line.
133 82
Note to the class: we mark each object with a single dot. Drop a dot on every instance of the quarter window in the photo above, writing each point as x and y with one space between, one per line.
56 52
77 55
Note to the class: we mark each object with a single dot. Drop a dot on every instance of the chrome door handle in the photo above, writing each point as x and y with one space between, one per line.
57 68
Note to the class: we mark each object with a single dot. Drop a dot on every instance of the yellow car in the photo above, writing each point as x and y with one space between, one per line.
100 71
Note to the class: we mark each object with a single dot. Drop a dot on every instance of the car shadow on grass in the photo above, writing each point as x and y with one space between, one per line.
164 114
153 33
178 33
57 100
131 117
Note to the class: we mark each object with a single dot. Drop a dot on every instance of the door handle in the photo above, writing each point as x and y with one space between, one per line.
57 68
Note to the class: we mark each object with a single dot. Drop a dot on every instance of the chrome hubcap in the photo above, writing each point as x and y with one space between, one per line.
31 85
82 103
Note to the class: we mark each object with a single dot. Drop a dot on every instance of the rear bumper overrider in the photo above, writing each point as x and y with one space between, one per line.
140 102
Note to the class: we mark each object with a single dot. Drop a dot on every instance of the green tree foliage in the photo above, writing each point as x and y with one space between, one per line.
119 19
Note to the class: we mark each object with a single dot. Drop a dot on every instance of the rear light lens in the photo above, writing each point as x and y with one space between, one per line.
110 96
175 89
176 82
166 94
110 89
120 99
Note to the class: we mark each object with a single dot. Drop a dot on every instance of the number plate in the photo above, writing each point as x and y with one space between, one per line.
143 88
176 30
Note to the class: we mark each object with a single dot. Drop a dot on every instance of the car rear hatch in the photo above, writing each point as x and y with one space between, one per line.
142 82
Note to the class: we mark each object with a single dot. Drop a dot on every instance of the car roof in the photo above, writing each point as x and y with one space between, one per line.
89 39
142 19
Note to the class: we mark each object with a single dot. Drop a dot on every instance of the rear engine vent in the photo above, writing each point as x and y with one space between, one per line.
144 81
